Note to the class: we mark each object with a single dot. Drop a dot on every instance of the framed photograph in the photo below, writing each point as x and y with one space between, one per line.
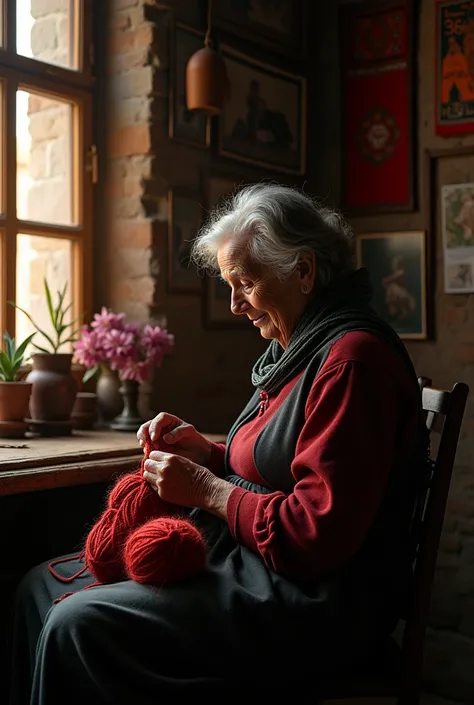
264 120
216 295
278 24
378 80
185 126
457 224
454 88
397 266
184 221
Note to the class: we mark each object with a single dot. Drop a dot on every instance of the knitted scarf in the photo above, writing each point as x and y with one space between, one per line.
341 307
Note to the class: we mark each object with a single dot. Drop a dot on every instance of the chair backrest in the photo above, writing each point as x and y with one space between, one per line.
444 411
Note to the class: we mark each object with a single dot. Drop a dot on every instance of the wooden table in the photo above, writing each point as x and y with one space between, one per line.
86 457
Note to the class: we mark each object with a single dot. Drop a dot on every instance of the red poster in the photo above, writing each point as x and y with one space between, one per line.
377 105
454 67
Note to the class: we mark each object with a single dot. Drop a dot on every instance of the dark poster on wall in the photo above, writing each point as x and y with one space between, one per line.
377 60
454 67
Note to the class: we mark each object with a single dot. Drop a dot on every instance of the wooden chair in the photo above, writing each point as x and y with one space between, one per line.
400 675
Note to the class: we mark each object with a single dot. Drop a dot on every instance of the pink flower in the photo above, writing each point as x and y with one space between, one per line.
107 319
127 347
157 342
118 344
86 349
138 370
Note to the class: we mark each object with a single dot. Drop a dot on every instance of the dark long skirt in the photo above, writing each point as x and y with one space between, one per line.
236 628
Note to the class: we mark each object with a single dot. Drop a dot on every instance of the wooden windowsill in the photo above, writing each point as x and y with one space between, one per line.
31 465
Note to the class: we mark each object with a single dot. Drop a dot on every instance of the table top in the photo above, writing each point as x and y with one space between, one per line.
32 464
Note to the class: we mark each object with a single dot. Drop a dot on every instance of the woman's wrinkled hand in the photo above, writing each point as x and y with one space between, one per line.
178 480
171 434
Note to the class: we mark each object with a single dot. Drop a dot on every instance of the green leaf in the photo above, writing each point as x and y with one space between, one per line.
9 345
43 350
61 323
16 366
52 313
6 367
12 303
90 373
40 330
58 311
21 350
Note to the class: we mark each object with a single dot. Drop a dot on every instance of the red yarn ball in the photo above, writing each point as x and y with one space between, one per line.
123 487
104 548
164 550
131 503
137 501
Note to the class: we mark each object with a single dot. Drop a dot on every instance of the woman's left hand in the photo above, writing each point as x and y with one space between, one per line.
178 480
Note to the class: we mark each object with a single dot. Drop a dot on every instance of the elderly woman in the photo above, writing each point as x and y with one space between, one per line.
306 509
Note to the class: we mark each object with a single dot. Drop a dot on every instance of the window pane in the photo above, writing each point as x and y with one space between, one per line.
40 258
45 31
44 159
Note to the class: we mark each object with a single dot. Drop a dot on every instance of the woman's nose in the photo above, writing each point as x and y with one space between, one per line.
238 304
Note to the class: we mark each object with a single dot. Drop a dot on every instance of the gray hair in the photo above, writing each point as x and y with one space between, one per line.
277 223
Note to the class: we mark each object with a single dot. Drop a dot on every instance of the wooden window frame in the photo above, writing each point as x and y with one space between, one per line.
75 86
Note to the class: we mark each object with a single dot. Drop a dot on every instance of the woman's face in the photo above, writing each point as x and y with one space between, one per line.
273 306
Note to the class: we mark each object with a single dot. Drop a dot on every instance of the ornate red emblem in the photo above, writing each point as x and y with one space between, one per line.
378 135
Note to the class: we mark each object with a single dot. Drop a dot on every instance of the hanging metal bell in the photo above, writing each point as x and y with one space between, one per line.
207 84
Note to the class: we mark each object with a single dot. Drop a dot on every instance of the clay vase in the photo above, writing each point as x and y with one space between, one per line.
129 419
84 412
54 387
109 399
14 403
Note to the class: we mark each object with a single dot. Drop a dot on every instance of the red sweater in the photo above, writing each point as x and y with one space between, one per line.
360 417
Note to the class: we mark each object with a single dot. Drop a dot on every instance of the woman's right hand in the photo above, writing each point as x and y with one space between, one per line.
173 435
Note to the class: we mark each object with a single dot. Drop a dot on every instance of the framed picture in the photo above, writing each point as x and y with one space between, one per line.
397 266
216 295
377 50
264 120
278 25
454 88
184 221
185 126
457 224
191 13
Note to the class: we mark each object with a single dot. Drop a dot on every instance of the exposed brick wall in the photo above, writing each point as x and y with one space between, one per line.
204 381
130 221
450 643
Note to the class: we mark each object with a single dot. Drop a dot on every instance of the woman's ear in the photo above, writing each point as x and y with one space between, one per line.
307 272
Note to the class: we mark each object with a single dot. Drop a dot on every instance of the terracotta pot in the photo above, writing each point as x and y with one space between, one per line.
54 387
109 399
14 403
84 413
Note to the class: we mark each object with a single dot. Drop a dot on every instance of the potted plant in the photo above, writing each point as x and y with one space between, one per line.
128 349
14 393
54 387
